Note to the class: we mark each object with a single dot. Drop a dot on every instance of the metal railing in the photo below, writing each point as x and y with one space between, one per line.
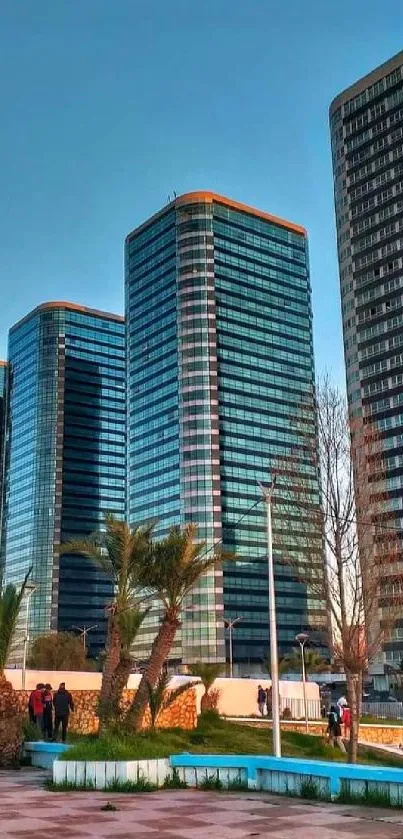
296 706
383 710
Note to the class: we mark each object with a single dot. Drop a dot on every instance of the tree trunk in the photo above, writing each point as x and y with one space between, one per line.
204 703
119 682
112 659
159 654
354 701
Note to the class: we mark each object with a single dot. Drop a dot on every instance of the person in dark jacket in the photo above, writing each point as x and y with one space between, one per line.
63 704
261 700
334 729
47 697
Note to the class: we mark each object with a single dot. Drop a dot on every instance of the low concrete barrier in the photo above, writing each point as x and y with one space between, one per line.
287 775
100 774
44 754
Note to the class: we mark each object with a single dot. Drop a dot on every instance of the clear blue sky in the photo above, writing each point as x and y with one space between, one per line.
109 105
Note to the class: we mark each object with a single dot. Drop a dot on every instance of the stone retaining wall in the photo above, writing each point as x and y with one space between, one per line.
387 735
84 720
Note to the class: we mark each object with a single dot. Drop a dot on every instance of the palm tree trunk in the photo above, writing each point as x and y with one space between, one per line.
119 682
112 659
159 653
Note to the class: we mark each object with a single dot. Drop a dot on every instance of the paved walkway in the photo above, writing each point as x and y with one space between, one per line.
27 810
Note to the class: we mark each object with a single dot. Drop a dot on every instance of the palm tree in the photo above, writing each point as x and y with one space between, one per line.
159 698
208 673
173 566
10 715
10 604
291 663
129 624
283 665
314 662
119 551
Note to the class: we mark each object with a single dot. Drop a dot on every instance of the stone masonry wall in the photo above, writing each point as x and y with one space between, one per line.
182 713
388 735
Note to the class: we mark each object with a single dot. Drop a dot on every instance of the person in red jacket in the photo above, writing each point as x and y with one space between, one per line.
35 705
346 722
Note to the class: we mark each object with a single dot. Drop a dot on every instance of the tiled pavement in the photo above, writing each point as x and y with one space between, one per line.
27 810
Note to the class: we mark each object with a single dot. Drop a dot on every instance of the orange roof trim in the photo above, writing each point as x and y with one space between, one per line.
3 363
209 197
63 304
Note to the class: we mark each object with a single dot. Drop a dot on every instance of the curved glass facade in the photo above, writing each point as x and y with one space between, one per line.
65 458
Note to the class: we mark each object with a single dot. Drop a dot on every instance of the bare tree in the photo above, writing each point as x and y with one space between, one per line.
360 543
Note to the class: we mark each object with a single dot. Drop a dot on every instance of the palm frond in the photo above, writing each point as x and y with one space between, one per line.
156 696
174 565
208 672
160 698
172 695
10 604
129 622
119 551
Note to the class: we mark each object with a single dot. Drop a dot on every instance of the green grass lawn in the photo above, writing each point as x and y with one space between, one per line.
213 736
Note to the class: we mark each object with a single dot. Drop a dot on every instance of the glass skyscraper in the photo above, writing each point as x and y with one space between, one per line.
65 458
366 123
3 414
220 358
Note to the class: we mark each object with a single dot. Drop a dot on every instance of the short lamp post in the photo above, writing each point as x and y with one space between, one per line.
30 589
302 638
230 623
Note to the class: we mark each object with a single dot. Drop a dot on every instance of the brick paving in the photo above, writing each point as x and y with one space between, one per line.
27 811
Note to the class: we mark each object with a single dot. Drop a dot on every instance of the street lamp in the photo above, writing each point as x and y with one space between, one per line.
302 638
30 588
84 630
230 625
267 493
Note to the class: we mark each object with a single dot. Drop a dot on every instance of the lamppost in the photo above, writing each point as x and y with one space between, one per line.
30 588
302 638
267 492
230 625
84 630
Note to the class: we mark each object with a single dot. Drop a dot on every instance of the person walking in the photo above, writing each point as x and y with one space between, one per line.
63 704
346 722
47 697
334 729
269 702
35 706
261 700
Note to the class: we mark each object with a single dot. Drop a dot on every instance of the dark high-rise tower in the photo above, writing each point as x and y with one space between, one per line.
65 458
220 357
366 123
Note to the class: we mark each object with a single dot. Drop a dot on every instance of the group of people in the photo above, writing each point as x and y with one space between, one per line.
339 715
50 710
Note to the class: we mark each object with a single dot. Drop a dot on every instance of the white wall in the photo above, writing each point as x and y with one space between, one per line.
238 697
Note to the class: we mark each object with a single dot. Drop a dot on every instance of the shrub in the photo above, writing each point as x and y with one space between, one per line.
211 782
309 789
286 715
210 700
174 781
